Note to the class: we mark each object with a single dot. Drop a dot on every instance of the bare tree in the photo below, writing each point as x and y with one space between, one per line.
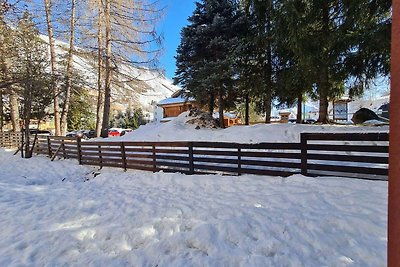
100 92
53 67
68 71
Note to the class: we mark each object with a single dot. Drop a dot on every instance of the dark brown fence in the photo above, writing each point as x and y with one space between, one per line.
10 139
345 154
339 154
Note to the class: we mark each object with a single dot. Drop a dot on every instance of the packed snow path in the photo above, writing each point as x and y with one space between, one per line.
59 214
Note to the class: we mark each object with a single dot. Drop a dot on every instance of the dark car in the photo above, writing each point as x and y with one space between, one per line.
39 132
84 134
309 121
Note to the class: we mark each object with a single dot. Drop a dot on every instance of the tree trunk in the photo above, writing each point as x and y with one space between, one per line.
268 107
323 95
53 68
268 98
211 105
299 109
221 109
27 118
1 111
64 115
246 112
108 74
14 111
100 92
323 83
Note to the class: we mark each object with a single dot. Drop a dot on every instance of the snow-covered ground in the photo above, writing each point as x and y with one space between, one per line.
59 214
179 130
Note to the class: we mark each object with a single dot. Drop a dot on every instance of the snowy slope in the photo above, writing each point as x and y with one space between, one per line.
178 130
148 86
51 217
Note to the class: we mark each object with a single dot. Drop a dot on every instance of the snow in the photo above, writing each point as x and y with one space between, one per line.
178 130
175 100
57 214
146 88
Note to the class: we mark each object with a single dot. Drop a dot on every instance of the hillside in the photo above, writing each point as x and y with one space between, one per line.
133 86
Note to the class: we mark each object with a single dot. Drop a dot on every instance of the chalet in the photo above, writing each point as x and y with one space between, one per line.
176 104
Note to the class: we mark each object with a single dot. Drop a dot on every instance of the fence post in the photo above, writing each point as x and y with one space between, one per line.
154 158
79 151
49 146
100 156
303 147
123 155
191 163
239 161
63 148
22 145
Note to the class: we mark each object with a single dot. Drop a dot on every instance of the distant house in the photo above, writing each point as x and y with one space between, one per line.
176 104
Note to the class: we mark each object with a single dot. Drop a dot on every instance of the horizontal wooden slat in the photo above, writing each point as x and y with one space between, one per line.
348 136
138 162
268 172
333 157
216 168
250 162
350 169
248 146
172 157
143 156
98 154
349 148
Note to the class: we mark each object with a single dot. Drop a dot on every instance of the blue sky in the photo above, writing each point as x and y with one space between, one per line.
177 12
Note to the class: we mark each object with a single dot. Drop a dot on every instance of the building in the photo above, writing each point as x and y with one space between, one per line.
175 105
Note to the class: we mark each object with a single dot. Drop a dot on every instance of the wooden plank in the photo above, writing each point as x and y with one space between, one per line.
269 172
139 162
172 164
142 156
248 146
217 168
134 149
154 158
123 155
191 159
349 148
303 154
173 151
334 157
180 158
350 169
348 136
242 162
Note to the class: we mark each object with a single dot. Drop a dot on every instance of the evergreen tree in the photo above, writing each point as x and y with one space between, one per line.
205 57
335 44
29 67
80 114
264 46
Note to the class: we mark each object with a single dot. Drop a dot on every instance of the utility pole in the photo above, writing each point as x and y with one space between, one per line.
394 144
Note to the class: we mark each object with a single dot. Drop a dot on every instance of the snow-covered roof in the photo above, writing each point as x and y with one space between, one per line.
226 114
175 100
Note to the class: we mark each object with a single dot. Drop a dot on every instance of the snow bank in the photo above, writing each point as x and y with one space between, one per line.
178 130
51 217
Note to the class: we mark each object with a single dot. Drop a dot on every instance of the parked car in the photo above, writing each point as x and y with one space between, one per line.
84 134
309 121
113 132
124 131
39 132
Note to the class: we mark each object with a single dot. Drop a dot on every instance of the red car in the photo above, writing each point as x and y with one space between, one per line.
113 133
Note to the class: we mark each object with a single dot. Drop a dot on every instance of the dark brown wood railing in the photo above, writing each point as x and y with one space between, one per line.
338 154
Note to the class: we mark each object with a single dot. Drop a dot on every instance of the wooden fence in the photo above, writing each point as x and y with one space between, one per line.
349 155
10 139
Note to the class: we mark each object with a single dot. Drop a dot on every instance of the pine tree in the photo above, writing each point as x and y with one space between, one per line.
29 67
335 42
205 58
